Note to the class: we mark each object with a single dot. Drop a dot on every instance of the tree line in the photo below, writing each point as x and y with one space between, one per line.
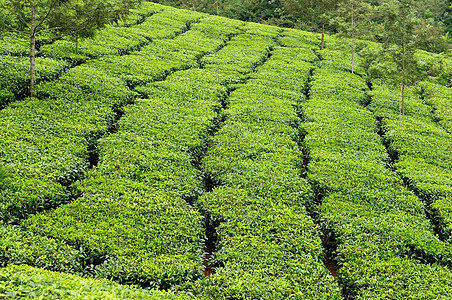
433 18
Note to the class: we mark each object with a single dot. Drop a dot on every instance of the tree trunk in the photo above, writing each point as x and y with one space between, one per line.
323 34
32 51
403 75
353 39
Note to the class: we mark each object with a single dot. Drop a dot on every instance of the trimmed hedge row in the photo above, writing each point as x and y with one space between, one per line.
380 227
262 29
25 282
18 246
139 14
109 41
218 27
294 38
240 54
168 23
268 246
134 215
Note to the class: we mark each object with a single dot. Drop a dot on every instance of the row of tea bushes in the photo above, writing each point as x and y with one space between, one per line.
383 236
25 282
301 43
13 47
168 23
300 39
134 215
262 29
421 146
218 27
21 247
240 55
139 14
164 55
267 245
109 41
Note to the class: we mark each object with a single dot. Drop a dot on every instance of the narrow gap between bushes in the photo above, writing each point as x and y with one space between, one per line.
209 181
327 234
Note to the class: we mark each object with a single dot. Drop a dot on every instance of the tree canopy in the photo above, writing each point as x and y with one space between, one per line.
313 11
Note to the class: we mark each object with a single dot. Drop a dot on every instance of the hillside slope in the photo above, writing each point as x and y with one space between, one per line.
196 156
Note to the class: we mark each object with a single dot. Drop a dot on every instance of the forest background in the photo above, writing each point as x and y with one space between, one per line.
433 17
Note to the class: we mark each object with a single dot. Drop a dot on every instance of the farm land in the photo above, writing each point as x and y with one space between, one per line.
180 155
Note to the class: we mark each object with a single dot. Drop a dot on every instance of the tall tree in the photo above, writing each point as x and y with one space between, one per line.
400 38
352 17
32 21
313 11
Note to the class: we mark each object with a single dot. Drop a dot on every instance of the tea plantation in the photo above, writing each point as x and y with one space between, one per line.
180 155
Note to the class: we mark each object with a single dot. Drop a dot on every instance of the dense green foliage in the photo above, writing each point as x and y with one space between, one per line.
176 141
24 282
